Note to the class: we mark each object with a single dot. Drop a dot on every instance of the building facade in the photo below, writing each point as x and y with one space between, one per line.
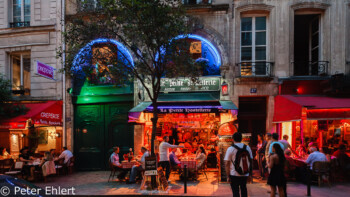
30 35
266 48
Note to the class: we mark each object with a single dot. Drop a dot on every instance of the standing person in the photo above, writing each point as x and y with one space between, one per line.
66 154
268 138
286 144
276 177
138 168
238 160
260 154
164 155
275 141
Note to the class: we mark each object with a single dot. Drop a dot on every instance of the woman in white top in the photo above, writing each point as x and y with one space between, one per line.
200 156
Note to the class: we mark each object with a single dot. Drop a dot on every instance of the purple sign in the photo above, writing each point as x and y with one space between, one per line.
45 70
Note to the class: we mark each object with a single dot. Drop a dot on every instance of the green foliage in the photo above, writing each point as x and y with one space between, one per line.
5 89
8 109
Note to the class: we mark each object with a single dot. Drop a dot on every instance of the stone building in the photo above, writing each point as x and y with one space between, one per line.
266 48
30 34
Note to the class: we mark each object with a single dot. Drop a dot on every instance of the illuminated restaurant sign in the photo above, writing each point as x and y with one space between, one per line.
187 85
184 109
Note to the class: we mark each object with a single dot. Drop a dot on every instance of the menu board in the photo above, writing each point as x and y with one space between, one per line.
150 166
224 143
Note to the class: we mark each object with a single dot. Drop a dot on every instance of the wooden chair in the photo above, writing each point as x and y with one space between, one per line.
113 171
70 165
59 164
16 169
6 165
203 169
320 169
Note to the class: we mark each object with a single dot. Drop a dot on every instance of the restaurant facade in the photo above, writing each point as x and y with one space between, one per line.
257 48
28 43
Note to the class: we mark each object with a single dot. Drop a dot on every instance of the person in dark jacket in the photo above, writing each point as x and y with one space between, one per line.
260 155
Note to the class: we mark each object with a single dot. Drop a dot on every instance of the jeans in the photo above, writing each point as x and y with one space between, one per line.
239 183
262 168
134 171
165 165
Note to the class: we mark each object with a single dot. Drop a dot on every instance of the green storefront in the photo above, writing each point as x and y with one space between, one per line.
100 123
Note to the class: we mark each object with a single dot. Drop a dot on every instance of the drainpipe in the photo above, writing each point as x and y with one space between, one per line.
63 10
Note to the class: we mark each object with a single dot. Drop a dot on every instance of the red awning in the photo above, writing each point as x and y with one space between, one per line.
289 108
43 113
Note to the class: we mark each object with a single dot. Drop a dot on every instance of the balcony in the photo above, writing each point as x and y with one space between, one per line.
255 69
196 2
20 24
310 68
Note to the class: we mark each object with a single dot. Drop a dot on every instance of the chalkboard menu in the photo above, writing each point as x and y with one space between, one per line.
150 166
224 143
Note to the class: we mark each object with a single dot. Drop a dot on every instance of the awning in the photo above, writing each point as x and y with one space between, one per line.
43 113
228 105
290 108
134 113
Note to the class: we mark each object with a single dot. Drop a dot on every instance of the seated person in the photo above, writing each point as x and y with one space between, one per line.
114 159
200 156
4 153
24 156
315 156
212 158
174 161
52 152
289 168
343 158
47 158
138 168
178 152
66 154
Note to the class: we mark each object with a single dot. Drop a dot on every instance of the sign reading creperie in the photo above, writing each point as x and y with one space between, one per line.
45 70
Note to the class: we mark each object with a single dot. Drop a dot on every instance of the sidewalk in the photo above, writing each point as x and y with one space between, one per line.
95 183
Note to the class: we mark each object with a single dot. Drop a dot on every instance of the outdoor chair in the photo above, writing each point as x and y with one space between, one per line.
203 169
70 165
321 170
6 165
113 170
16 169
59 165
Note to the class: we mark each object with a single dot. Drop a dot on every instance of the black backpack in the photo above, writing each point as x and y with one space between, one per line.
242 162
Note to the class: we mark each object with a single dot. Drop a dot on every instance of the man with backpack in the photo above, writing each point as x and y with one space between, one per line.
238 165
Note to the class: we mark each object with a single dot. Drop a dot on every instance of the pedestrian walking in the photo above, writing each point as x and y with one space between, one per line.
276 176
238 165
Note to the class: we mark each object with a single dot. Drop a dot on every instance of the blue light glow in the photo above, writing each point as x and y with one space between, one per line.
85 54
211 48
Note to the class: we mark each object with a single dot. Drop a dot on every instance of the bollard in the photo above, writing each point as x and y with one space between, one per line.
308 182
185 179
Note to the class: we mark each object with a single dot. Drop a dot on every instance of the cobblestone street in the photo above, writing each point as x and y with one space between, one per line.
95 183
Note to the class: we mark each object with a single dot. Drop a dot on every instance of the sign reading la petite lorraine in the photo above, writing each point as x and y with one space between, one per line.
187 85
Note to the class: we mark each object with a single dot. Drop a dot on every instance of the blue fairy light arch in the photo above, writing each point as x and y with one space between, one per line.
209 54
84 56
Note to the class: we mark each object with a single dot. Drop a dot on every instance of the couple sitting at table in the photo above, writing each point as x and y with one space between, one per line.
137 169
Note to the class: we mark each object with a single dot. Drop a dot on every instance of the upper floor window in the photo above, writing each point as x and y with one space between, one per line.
253 47
194 2
20 13
20 67
89 5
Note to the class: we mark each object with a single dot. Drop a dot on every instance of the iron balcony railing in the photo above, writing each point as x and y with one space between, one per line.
255 69
196 2
310 68
20 24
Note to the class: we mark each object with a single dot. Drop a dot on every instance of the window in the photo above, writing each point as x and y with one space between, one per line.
194 2
89 5
21 64
253 46
20 13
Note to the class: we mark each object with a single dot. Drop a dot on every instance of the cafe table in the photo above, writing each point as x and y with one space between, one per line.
128 165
